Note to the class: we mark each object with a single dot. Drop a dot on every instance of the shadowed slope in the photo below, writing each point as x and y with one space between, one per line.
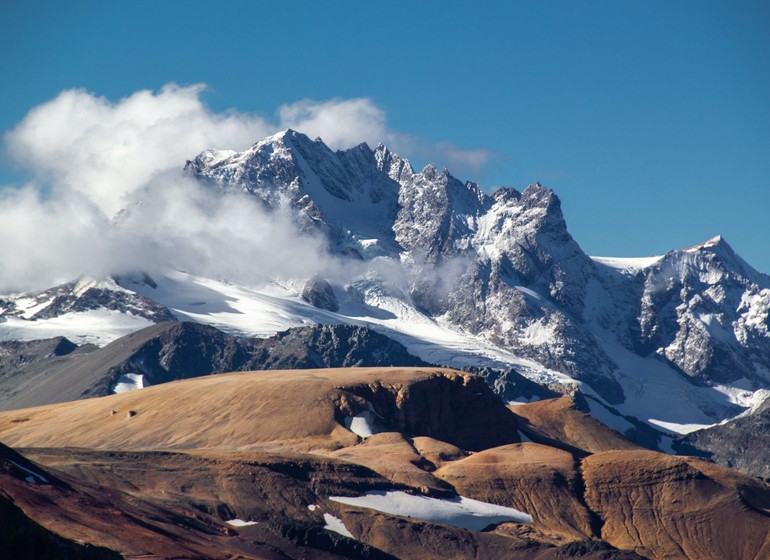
55 370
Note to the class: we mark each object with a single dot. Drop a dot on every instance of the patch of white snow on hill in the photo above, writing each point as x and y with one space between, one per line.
129 382
29 306
539 333
714 241
715 329
261 312
742 393
461 512
86 283
534 295
518 401
336 525
240 523
364 424
213 157
370 248
663 398
97 326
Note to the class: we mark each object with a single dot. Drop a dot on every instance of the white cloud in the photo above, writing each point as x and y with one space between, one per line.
107 150
91 158
341 123
48 240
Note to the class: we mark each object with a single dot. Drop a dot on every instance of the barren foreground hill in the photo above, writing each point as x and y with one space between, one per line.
356 463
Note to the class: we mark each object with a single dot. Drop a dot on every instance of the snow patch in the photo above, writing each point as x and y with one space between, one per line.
365 423
129 382
628 265
33 477
97 326
240 523
661 397
461 512
336 525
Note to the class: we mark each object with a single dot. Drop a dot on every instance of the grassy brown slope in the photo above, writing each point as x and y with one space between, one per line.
677 507
266 445
47 515
561 423
541 480
261 410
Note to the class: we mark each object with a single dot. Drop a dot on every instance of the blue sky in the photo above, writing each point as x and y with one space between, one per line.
650 120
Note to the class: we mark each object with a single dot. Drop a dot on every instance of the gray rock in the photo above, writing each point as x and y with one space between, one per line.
319 293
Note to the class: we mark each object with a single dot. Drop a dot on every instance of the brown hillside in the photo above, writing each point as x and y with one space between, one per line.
560 422
179 460
543 481
677 507
302 409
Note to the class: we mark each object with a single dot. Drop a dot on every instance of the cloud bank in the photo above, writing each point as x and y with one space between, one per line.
107 195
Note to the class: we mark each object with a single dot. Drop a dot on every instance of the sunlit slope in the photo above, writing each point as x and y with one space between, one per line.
305 409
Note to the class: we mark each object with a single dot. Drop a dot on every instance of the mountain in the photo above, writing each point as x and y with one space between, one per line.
659 346
85 295
740 443
503 267
56 370
358 463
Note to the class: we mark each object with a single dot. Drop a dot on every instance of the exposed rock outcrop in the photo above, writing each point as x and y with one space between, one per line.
319 293
741 444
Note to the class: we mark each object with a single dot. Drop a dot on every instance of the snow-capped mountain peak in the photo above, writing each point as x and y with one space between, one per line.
481 279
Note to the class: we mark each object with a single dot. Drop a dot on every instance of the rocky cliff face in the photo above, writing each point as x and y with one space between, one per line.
739 444
503 265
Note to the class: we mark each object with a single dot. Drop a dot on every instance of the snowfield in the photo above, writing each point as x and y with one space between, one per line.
461 512
240 523
98 326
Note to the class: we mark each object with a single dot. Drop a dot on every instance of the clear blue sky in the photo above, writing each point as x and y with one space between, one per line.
651 120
